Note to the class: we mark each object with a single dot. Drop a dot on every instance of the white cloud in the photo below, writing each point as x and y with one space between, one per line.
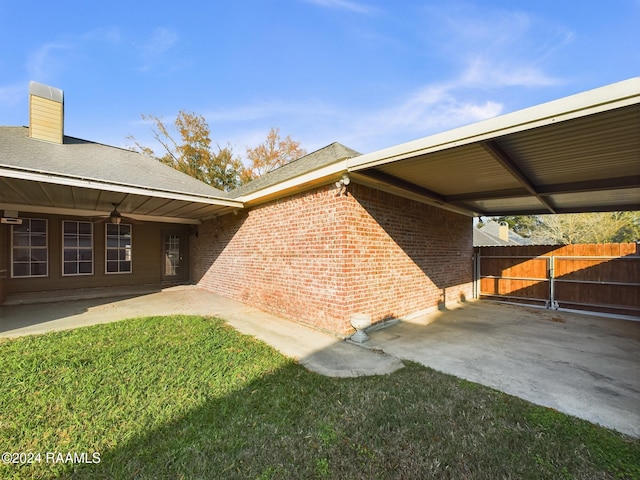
265 110
428 110
356 7
161 40
484 72
11 95
495 47
44 64
104 34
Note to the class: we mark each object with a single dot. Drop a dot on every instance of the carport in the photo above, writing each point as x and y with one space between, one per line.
577 154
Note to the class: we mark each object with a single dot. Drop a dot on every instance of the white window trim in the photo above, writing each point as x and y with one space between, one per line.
107 248
46 248
78 248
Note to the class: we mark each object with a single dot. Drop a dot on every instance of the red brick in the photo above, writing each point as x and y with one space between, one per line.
317 257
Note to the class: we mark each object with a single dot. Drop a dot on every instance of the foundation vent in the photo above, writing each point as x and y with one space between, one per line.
46 113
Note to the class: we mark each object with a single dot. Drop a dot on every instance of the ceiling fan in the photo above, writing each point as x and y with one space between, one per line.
116 217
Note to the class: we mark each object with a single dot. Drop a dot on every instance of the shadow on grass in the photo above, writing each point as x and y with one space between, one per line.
415 423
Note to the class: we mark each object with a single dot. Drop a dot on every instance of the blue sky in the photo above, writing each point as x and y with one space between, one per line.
366 73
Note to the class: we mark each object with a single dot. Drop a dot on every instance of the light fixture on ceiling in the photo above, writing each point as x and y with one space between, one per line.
115 217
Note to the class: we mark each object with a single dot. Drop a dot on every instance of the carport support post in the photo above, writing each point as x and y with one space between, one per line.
476 275
551 262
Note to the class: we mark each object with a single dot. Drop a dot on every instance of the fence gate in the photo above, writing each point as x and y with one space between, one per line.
597 278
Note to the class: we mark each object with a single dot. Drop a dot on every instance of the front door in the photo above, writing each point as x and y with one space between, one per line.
174 257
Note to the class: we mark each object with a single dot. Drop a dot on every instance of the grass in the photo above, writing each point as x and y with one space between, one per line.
189 397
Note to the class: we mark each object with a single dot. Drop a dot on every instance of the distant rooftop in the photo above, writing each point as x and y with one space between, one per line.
320 158
493 233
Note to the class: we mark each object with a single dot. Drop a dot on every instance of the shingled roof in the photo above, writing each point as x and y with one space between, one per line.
328 155
76 158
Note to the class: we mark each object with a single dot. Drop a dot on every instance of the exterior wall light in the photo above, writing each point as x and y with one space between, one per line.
342 183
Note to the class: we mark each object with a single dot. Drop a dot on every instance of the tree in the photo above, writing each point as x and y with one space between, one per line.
194 155
604 227
271 154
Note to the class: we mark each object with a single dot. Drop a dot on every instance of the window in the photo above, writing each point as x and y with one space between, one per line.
29 257
77 248
118 248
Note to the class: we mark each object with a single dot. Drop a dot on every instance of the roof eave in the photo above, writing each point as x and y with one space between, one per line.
300 183
601 99
22 174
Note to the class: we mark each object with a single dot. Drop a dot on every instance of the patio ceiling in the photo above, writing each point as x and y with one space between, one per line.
94 200
577 154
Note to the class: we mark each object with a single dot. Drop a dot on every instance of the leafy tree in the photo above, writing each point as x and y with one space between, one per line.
605 227
193 155
271 154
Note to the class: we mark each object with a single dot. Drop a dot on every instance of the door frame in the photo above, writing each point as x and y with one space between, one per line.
183 276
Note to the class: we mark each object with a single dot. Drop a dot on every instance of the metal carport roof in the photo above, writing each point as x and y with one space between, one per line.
576 154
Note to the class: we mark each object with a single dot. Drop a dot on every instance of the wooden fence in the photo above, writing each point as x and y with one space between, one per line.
599 278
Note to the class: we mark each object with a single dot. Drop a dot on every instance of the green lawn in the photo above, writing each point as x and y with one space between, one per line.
189 397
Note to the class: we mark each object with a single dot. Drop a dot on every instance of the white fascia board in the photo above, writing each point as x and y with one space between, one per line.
10 172
333 170
72 212
601 99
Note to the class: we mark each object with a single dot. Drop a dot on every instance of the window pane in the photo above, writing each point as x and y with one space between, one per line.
38 269
38 240
112 267
70 227
23 228
85 267
21 239
38 226
70 241
125 242
39 254
21 269
70 268
84 241
112 254
85 228
21 255
125 266
86 255
112 242
112 229
70 255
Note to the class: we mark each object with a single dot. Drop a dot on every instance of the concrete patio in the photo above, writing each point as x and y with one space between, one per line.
582 365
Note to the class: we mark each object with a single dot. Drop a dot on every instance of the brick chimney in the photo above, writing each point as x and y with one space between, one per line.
503 231
46 113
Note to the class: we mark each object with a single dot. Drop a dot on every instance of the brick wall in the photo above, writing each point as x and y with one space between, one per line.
318 257
406 256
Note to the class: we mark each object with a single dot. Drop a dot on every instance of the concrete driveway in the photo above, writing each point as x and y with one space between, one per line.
584 365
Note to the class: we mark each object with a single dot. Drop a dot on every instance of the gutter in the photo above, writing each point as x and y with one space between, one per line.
321 176
70 181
